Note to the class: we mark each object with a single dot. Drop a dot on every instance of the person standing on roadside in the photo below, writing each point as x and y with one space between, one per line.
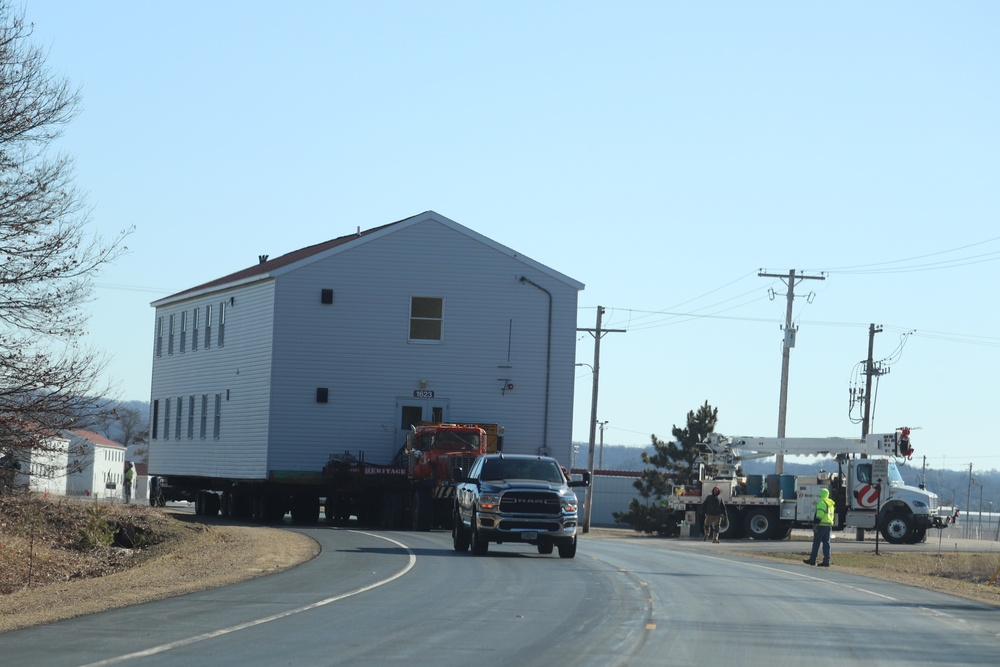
822 525
714 508
129 479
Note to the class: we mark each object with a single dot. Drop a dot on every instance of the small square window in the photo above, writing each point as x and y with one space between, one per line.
426 317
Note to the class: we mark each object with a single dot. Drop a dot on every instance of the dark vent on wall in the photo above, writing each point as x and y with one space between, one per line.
322 395
326 296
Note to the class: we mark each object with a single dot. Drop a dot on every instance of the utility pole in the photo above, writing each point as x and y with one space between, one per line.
600 457
791 282
871 369
968 501
597 333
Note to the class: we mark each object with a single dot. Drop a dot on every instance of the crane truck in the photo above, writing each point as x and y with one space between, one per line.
868 490
413 490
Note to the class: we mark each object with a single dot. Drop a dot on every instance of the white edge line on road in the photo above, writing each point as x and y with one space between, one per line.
267 619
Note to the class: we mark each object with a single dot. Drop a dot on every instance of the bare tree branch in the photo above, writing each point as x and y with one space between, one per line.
47 261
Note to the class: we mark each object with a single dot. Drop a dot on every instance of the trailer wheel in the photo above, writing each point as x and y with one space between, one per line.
305 510
897 527
212 503
421 510
760 524
268 509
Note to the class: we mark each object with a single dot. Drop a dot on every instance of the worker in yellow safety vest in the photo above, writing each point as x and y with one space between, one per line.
822 525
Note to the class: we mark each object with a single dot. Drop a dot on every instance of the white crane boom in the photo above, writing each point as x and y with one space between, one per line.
875 444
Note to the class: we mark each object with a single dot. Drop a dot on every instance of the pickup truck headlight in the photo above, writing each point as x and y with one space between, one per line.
569 504
489 502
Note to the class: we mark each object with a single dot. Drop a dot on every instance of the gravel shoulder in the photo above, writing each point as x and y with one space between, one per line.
198 556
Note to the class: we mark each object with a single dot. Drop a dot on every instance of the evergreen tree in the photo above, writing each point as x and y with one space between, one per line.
674 464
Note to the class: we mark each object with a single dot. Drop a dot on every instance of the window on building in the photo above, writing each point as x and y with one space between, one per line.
156 418
217 423
208 326
222 324
180 410
166 419
170 335
426 315
184 330
159 336
204 416
190 417
194 329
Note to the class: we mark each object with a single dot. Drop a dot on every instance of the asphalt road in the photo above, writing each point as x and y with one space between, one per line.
391 598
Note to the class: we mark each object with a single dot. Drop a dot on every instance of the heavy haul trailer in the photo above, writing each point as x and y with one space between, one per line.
414 490
868 491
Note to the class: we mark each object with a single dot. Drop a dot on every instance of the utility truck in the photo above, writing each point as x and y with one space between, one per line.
867 488
413 490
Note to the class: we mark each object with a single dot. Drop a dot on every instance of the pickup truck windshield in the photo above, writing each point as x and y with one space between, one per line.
505 469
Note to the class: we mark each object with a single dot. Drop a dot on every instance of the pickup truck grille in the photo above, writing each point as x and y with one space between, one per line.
530 502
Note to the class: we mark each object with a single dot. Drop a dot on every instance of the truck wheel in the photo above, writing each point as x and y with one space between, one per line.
732 526
459 536
421 510
568 550
760 524
478 544
897 527
782 533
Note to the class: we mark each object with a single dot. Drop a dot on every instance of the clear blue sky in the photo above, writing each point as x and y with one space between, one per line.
659 152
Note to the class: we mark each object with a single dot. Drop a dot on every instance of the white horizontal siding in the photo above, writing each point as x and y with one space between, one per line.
239 371
358 348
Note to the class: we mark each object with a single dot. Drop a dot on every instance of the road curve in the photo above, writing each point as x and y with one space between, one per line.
389 598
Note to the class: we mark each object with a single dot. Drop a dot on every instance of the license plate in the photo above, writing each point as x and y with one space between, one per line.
529 535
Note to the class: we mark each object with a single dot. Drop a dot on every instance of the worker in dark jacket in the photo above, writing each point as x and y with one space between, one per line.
714 508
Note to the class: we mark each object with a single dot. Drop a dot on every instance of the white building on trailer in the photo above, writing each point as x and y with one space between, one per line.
97 465
342 345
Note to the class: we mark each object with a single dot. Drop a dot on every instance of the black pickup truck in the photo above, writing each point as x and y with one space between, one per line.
516 498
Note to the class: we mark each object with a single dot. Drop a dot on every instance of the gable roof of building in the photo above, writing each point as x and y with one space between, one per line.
96 438
270 268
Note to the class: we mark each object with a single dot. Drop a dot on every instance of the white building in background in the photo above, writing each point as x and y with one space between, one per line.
96 465
43 468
